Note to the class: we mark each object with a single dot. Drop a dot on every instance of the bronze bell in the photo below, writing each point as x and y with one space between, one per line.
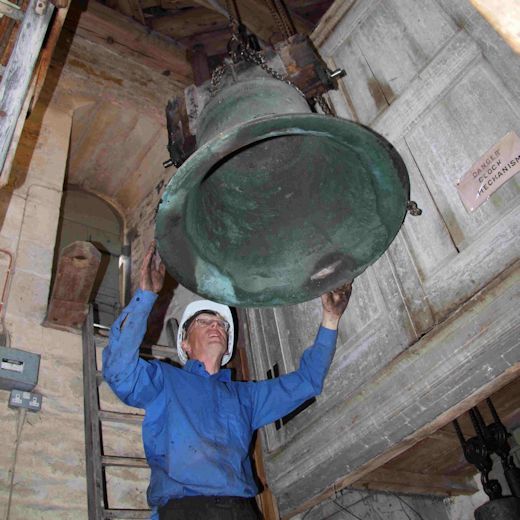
278 204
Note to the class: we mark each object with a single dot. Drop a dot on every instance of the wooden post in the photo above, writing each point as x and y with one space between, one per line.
265 499
199 63
19 70
75 277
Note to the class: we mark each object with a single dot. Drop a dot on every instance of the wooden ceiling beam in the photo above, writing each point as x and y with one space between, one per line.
132 8
188 23
107 27
258 19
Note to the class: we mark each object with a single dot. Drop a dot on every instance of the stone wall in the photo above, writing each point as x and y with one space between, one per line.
49 479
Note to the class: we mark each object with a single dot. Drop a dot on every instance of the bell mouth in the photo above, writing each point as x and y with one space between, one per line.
281 209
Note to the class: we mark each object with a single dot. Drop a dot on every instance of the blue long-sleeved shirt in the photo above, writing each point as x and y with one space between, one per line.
198 427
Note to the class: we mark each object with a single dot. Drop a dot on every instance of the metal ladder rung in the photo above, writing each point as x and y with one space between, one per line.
126 513
127 462
120 417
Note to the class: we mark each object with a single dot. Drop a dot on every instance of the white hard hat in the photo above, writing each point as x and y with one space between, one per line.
196 308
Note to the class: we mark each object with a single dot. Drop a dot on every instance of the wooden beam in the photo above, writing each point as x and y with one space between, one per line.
383 479
481 360
330 19
75 276
48 51
18 73
124 36
407 443
199 64
126 462
188 22
215 42
258 19
133 9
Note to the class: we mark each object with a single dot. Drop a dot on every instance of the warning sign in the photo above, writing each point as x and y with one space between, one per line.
494 168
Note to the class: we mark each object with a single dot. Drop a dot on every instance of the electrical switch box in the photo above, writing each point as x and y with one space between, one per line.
18 369
22 399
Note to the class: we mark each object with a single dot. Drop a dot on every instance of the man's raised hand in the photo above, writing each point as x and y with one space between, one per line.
334 304
152 270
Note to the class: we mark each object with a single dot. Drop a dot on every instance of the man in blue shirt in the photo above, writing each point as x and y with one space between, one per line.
199 424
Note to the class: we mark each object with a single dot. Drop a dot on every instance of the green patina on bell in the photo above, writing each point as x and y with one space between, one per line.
278 205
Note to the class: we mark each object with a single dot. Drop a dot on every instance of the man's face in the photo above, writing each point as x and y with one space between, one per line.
205 337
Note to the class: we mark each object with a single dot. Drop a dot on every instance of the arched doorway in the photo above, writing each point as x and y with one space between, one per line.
84 216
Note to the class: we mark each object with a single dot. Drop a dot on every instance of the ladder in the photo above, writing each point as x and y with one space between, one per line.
96 460
16 77
23 77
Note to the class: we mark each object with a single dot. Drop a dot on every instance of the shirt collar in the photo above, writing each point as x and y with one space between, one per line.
196 367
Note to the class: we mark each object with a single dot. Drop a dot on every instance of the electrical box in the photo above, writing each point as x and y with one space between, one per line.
18 369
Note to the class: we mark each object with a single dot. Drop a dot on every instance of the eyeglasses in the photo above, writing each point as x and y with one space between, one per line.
206 322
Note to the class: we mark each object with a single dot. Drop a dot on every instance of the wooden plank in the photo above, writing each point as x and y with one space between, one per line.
126 513
389 480
375 463
215 42
481 360
256 16
189 22
132 8
47 52
75 276
105 26
126 462
330 19
11 153
119 417
93 452
265 499
18 73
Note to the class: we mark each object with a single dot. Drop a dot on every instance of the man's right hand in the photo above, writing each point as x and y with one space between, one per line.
152 270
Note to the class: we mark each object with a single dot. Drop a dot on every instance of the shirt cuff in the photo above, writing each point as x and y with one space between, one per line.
326 335
143 299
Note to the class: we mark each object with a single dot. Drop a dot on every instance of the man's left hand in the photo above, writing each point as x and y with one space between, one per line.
334 304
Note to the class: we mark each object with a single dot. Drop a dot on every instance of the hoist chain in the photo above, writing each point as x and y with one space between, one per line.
324 105
240 49
249 55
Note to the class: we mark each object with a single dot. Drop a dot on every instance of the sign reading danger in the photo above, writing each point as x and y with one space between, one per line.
499 164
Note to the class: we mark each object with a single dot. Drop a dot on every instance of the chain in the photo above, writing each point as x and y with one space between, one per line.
216 79
324 105
246 54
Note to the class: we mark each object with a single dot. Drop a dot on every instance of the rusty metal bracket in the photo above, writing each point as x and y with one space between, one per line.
413 209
